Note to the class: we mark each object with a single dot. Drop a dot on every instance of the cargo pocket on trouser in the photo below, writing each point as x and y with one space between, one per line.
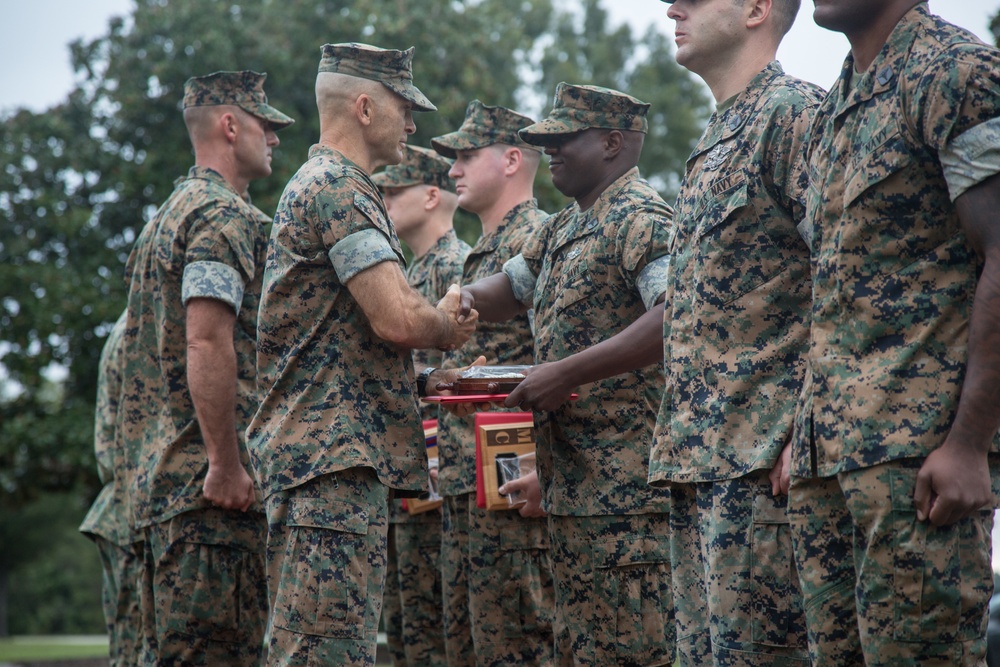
323 582
941 576
527 595
777 615
632 578
205 600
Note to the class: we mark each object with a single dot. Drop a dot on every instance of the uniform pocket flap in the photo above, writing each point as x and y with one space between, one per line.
533 535
622 551
327 514
769 509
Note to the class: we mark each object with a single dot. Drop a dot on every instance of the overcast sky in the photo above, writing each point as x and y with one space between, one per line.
35 34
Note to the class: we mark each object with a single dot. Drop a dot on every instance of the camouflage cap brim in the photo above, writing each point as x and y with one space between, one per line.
394 179
410 93
577 108
545 132
266 112
484 125
449 144
419 166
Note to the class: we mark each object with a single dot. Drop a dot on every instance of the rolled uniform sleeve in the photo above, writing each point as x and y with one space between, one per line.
972 157
360 251
212 280
522 280
652 280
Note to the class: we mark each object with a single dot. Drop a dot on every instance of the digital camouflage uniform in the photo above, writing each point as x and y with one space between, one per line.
735 334
893 281
203 593
108 521
496 573
411 603
588 275
338 426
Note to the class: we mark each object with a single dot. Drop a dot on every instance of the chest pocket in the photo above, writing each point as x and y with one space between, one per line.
736 252
574 286
878 160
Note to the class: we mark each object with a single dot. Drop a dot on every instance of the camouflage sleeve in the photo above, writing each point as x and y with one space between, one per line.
522 280
212 280
786 149
533 244
652 280
360 251
354 230
959 90
643 236
224 231
972 157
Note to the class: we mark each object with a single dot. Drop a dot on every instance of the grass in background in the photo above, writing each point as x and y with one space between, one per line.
45 647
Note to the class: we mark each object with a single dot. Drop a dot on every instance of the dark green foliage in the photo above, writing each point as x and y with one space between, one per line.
54 571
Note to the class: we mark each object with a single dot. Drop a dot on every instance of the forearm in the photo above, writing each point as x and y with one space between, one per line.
212 383
494 298
637 346
420 325
977 420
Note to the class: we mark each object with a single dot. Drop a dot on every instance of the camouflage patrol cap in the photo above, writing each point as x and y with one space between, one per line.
393 69
244 89
420 166
484 126
578 108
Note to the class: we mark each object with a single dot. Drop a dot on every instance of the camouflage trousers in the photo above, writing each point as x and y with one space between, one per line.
411 603
497 583
203 595
614 604
120 580
736 589
880 587
326 549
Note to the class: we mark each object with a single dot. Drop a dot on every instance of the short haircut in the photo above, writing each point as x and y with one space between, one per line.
784 12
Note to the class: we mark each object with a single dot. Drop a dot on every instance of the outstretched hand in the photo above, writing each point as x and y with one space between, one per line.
462 324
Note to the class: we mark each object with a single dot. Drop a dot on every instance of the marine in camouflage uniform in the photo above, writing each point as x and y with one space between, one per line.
895 439
411 603
108 522
591 271
498 590
735 336
188 353
339 424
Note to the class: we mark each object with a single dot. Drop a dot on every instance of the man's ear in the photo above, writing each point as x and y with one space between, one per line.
364 109
759 10
230 126
613 143
432 198
512 159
